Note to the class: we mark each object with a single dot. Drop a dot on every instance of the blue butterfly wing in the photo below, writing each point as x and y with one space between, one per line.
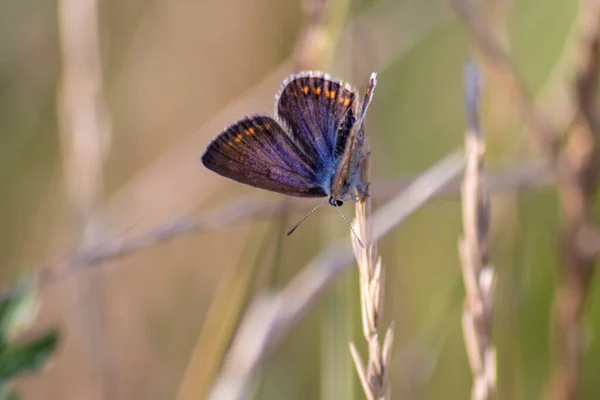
319 113
258 152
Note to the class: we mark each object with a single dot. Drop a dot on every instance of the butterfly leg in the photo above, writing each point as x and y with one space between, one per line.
360 192
363 157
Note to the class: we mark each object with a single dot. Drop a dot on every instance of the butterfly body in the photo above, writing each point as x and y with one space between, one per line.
312 147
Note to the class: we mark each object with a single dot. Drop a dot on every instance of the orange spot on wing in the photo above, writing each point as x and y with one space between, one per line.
330 94
318 91
347 102
305 90
238 138
250 131
230 144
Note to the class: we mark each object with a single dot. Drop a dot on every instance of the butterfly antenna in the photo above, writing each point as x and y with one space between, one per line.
352 229
306 216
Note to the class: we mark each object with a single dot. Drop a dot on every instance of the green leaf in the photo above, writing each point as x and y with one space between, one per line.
28 356
18 312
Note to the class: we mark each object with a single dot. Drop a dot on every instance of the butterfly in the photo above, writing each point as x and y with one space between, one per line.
312 147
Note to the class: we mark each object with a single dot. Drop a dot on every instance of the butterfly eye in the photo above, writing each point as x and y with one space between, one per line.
335 203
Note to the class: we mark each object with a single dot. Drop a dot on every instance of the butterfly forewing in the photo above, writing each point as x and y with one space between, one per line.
347 171
319 112
258 152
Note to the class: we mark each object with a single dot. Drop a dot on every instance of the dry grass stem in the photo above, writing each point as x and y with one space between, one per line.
270 316
478 274
498 59
373 377
83 115
576 176
85 130
530 175
577 182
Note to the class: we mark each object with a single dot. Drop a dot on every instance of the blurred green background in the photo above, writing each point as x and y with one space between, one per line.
175 74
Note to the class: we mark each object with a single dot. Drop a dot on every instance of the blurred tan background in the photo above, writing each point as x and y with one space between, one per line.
174 74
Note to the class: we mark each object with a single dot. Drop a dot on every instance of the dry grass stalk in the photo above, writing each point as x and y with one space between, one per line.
577 182
520 176
478 274
373 377
271 316
500 61
85 130
84 118
576 176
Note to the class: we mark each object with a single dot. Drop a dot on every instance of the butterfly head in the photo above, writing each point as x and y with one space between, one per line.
336 202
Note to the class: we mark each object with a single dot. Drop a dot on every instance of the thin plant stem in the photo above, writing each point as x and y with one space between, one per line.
374 375
478 274
85 136
577 185
531 176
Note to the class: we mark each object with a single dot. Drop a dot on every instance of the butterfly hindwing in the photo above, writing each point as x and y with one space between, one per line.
257 151
319 112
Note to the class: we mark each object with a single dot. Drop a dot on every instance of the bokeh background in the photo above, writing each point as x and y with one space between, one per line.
174 73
